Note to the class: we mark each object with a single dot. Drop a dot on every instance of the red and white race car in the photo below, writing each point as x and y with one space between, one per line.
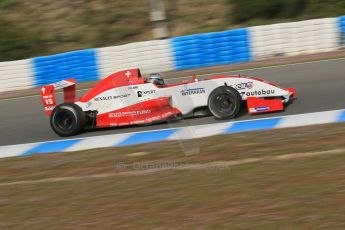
126 98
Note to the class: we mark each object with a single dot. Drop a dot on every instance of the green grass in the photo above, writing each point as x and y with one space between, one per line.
296 193
5 4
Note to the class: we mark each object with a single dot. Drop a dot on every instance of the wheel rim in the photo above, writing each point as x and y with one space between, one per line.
64 120
225 103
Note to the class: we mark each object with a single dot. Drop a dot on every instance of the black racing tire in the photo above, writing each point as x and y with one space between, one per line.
67 119
225 102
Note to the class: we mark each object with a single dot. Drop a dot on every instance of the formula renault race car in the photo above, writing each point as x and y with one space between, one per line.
126 98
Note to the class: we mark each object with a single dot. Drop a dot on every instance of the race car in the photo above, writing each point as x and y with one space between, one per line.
127 98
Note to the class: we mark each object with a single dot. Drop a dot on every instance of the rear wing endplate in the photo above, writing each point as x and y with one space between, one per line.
48 93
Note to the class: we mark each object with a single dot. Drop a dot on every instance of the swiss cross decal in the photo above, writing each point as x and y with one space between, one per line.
128 73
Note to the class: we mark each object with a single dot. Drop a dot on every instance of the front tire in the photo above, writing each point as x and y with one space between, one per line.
225 102
67 119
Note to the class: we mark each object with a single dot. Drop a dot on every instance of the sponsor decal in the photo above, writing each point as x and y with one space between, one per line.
244 85
49 108
88 105
133 87
250 85
147 92
113 97
47 96
128 73
262 108
48 100
262 92
129 113
62 84
143 120
187 92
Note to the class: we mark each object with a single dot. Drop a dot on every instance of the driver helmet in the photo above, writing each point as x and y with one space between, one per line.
155 78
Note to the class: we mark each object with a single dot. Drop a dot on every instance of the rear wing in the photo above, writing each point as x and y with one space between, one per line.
48 93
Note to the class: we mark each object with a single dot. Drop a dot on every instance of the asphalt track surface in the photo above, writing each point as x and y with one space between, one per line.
320 86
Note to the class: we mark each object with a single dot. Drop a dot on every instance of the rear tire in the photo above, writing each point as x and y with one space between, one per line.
225 102
67 119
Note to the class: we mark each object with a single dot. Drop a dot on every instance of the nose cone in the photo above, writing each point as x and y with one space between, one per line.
293 92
